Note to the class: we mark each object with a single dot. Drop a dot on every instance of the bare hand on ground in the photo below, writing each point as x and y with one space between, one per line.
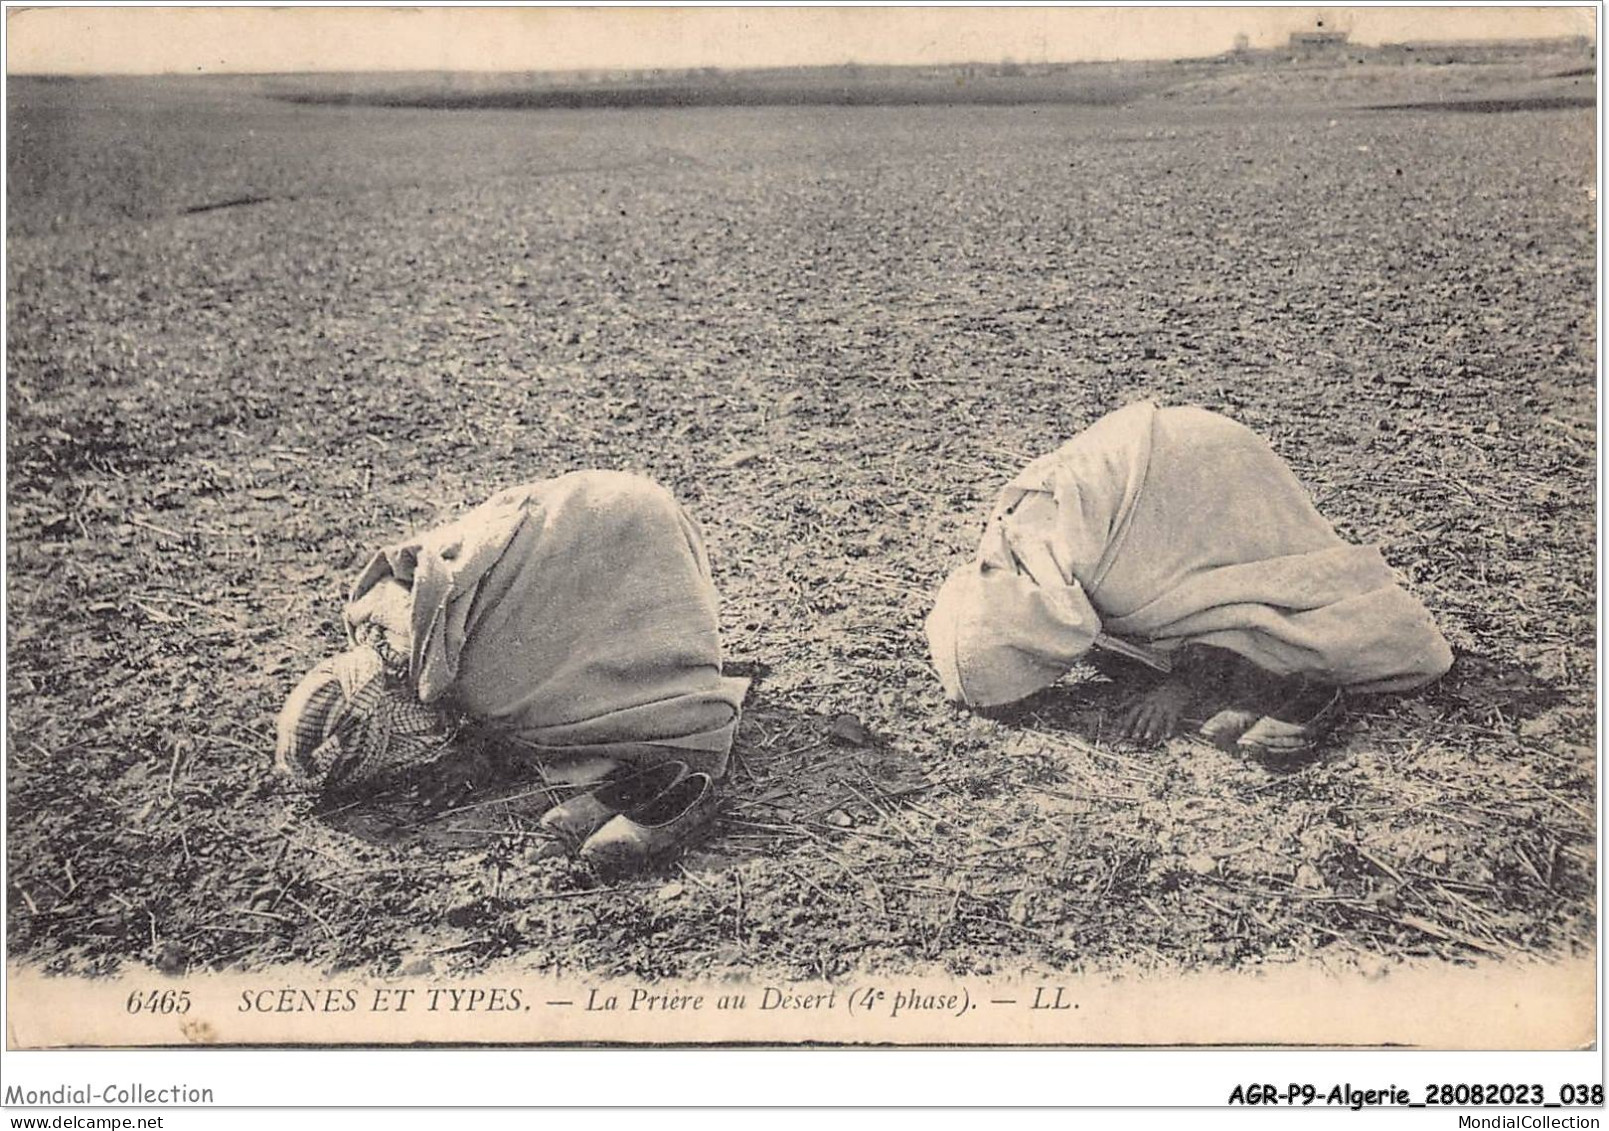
1153 715
455 780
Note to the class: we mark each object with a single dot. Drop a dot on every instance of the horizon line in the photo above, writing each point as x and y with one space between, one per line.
753 68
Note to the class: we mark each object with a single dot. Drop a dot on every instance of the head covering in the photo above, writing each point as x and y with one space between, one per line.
997 635
353 722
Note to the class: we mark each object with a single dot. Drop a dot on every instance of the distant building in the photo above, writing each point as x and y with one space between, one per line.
1318 40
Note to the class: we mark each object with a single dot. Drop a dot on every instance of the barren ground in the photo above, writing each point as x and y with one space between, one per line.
249 341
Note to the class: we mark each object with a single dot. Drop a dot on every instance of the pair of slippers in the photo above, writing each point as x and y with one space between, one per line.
632 818
1283 734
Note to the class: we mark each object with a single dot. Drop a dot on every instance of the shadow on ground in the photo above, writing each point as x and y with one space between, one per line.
1087 703
1481 684
794 775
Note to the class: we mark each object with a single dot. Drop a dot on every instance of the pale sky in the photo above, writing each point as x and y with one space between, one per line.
222 40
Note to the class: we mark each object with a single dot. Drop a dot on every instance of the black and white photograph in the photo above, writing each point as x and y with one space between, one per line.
905 526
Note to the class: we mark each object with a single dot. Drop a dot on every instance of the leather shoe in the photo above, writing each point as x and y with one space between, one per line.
1225 728
1295 729
569 824
672 819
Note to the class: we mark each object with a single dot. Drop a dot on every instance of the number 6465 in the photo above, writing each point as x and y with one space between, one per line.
158 1001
